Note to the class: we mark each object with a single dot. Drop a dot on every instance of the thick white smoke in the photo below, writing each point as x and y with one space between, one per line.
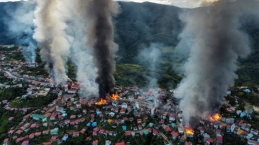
215 41
51 37
80 52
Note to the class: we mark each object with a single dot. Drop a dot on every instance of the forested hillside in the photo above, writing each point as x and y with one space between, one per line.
141 24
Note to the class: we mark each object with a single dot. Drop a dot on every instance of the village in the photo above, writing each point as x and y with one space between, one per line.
133 116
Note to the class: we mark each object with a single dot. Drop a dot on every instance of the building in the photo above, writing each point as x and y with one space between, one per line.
38 117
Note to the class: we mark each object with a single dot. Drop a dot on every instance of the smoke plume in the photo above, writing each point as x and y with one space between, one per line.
100 39
51 37
149 57
19 21
80 52
216 44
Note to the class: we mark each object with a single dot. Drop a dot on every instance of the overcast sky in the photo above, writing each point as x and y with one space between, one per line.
180 3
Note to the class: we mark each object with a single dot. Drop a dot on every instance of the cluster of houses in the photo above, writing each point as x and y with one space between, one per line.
79 116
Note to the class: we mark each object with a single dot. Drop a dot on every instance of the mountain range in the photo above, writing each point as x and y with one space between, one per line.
139 25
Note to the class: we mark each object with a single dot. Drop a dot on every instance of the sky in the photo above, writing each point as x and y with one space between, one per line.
179 3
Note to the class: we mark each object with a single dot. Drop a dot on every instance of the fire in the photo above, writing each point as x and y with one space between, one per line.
189 131
115 97
50 81
215 117
101 102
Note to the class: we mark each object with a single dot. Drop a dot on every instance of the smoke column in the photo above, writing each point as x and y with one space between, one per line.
100 39
80 52
149 57
20 27
216 44
51 37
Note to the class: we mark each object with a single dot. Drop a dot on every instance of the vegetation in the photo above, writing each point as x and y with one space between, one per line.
33 102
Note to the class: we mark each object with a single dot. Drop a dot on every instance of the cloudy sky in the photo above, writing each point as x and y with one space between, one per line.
180 3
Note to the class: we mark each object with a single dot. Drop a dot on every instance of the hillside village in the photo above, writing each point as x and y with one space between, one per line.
48 115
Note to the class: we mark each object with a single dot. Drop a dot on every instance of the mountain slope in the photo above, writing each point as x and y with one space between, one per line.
141 24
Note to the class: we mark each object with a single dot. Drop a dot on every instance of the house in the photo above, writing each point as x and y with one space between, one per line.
75 133
172 117
53 116
25 142
19 132
187 143
128 133
26 117
10 119
94 133
122 111
209 141
31 136
252 142
47 143
45 132
228 128
38 117
140 127
139 121
247 90
83 131
34 125
180 130
101 131
37 133
124 105
155 132
201 130
71 91
54 137
164 115
242 114
255 132
20 139
54 131
219 140
65 137
10 132
174 134
95 142
124 128
96 129
120 143
107 142
6 141
168 129
246 126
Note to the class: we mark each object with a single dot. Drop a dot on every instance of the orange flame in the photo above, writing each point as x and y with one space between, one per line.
50 81
189 131
215 117
115 97
101 102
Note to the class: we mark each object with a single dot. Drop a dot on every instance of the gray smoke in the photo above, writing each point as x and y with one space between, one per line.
149 57
80 52
215 41
51 37
19 21
100 40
